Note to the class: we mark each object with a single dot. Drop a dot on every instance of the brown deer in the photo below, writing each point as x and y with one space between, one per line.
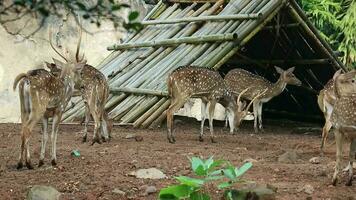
93 88
343 119
43 95
326 101
186 82
239 79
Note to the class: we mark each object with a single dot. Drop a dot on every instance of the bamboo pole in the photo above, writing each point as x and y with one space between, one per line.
204 19
170 42
287 62
156 114
291 25
143 117
116 90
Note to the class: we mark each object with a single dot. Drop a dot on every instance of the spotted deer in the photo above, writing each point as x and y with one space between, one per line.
326 101
94 89
343 119
239 79
43 95
190 81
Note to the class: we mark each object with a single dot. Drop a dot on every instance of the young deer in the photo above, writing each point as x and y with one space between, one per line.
326 101
239 79
94 90
343 119
43 95
186 82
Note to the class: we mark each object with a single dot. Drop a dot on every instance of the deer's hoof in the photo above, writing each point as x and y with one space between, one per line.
201 139
54 162
40 163
19 165
334 182
213 140
171 140
29 165
96 140
349 182
84 140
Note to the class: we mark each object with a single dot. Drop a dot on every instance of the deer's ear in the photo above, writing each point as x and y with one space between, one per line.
58 63
279 70
291 70
337 73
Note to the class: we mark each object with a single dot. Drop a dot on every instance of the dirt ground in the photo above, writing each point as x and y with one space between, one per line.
103 168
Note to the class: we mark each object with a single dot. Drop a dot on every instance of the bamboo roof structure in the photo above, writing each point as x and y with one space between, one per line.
216 34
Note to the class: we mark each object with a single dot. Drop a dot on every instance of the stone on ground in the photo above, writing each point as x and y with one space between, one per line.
40 192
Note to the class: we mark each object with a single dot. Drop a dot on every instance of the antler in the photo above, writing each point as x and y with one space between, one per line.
50 42
254 99
241 93
78 45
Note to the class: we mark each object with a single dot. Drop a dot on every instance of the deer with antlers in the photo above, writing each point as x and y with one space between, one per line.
190 81
94 90
326 101
343 119
239 79
43 95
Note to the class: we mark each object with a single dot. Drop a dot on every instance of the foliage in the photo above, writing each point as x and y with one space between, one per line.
208 171
336 21
94 11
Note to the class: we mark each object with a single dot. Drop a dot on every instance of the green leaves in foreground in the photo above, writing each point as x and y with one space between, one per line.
207 171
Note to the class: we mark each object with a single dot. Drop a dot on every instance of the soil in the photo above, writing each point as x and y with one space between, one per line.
103 168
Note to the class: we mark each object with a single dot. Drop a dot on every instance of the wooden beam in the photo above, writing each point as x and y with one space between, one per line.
117 90
177 41
281 62
204 19
292 25
195 1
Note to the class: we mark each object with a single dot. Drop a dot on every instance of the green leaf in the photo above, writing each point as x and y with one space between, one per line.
215 164
208 162
200 171
193 182
230 173
216 172
214 178
199 196
243 169
224 185
133 15
176 191
196 162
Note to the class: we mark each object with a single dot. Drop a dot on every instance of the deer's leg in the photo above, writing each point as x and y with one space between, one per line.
211 119
352 154
97 120
87 118
260 116
255 113
339 143
105 135
175 105
22 147
326 129
203 117
55 125
43 141
26 134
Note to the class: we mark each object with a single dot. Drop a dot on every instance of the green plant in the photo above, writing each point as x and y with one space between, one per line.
220 171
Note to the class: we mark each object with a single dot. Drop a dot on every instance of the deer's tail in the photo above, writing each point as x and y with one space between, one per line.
18 79
170 85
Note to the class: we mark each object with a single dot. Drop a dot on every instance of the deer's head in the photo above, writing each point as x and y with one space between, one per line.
288 76
345 84
242 112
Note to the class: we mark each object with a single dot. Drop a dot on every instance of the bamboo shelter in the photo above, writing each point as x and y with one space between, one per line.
216 34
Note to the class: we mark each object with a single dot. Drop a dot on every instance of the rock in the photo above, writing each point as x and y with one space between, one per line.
307 189
150 190
151 173
251 160
290 156
130 136
118 191
260 193
40 192
314 160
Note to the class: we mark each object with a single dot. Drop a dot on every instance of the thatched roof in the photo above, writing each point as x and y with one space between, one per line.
252 34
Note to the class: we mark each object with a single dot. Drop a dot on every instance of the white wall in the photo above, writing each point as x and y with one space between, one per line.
18 55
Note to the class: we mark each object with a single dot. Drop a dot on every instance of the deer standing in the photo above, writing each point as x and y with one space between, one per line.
326 101
94 90
186 82
343 119
239 79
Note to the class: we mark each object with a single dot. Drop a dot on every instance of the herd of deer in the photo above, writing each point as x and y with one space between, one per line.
45 94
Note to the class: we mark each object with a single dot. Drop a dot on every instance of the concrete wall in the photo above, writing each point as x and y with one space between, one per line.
19 55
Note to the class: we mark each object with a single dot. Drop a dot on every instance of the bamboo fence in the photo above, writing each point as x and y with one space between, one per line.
204 33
